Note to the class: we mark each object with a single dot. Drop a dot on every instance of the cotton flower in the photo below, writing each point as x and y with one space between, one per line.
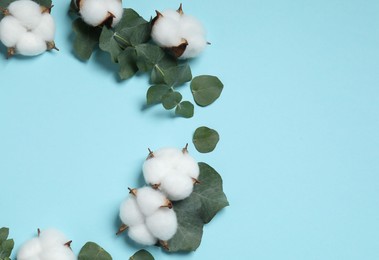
162 224
50 244
130 213
27 28
99 12
142 235
150 200
182 34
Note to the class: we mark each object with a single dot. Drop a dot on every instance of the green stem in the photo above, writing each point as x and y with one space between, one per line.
119 38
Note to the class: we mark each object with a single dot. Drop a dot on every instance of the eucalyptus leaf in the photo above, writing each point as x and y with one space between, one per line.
142 255
6 248
171 99
87 37
205 139
209 192
177 75
190 226
108 43
132 36
92 251
184 109
206 89
4 232
155 93
127 62
148 55
158 71
45 3
130 18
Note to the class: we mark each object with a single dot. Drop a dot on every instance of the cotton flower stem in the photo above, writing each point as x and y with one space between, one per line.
151 154
155 186
132 191
159 14
45 9
11 52
51 46
68 244
164 244
180 9
38 232
4 11
122 228
195 181
185 149
168 204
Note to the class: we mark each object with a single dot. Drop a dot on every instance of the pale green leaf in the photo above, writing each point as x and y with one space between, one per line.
155 93
184 109
173 76
6 248
171 99
142 255
4 232
206 89
148 55
205 139
132 36
92 251
87 37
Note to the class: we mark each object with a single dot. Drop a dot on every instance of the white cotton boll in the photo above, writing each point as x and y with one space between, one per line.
177 186
27 12
172 14
58 253
162 224
93 12
10 31
115 8
195 46
189 166
46 28
165 32
162 163
130 214
51 238
30 45
30 250
142 235
190 26
149 200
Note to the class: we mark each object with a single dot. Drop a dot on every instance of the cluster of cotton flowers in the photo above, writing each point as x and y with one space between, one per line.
147 213
100 12
27 28
184 35
49 245
148 216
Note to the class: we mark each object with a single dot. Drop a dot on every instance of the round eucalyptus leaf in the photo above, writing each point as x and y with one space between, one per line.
171 99
205 139
142 255
184 109
206 89
92 251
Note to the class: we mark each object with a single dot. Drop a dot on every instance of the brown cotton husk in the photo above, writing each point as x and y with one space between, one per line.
122 228
108 20
11 52
178 50
51 46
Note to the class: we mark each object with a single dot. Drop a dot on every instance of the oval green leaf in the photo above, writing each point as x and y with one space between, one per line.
171 99
184 109
142 255
155 93
206 89
205 139
92 251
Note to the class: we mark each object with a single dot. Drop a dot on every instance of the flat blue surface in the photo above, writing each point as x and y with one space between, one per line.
298 120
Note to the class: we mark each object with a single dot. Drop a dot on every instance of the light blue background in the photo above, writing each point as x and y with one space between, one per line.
298 120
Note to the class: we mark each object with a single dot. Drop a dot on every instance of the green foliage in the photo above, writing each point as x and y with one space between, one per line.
156 92
171 99
206 200
206 89
45 3
128 67
184 109
6 245
205 139
142 255
87 37
92 251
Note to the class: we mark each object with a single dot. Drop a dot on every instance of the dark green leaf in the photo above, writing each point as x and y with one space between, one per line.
171 99
4 232
127 61
173 76
108 43
155 93
6 248
205 139
87 37
92 251
209 192
206 89
130 18
132 36
148 55
142 255
184 109
190 225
